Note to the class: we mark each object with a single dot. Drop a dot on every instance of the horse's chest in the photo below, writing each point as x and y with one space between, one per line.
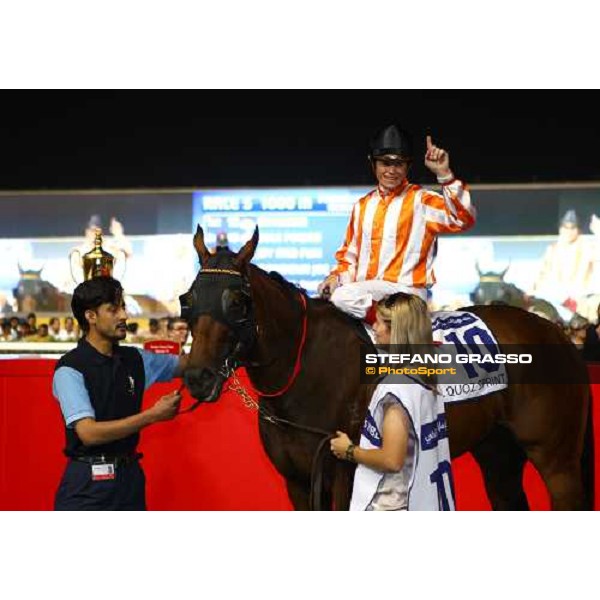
290 451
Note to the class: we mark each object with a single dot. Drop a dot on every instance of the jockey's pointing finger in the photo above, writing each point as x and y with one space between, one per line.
429 144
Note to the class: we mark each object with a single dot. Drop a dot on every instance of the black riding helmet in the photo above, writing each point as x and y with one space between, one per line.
391 143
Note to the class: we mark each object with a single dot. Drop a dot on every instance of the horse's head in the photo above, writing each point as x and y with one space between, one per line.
218 308
492 288
30 274
33 292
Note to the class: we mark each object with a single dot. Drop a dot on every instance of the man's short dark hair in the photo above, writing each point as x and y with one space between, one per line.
90 294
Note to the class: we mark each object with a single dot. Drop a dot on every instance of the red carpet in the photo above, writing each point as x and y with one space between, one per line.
211 459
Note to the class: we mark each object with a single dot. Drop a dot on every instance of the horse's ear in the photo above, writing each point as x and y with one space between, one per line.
246 253
479 273
20 269
503 273
201 249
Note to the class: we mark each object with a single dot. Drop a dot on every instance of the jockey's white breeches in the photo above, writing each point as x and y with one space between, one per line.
357 297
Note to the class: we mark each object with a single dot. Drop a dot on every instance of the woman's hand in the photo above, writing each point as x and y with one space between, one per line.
339 444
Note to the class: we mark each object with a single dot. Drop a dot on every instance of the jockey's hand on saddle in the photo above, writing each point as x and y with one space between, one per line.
437 160
327 287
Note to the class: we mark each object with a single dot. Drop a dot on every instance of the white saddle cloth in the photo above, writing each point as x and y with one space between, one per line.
457 330
460 329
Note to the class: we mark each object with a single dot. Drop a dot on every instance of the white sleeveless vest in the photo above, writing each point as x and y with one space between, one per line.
425 480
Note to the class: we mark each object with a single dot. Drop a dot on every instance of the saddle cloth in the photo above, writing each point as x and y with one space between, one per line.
465 333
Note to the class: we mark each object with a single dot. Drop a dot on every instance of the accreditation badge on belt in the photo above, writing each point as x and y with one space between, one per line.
103 471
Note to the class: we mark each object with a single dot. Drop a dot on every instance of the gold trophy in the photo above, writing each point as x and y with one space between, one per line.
95 263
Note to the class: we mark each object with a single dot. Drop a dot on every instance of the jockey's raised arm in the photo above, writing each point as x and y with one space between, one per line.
449 212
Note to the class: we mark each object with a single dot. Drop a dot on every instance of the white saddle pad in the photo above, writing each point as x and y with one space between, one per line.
468 334
463 330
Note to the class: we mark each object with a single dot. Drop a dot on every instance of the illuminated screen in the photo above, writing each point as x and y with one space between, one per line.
300 231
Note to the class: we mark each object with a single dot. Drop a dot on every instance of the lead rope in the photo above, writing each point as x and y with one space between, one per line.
249 402
316 475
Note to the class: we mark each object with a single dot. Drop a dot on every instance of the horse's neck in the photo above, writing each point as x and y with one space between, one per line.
327 393
516 295
279 326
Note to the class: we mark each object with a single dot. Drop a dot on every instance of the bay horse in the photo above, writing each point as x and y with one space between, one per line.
302 355
36 294
492 289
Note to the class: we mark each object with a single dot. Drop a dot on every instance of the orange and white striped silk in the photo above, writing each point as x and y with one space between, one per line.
391 237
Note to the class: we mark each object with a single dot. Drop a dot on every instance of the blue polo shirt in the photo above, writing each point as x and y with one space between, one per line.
68 385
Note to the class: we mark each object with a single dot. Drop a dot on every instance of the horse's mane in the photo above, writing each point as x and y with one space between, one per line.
293 288
224 259
278 278
281 280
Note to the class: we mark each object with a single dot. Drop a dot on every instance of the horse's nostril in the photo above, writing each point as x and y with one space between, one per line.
203 384
207 376
200 377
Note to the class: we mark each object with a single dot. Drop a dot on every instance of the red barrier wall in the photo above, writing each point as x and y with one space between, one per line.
211 459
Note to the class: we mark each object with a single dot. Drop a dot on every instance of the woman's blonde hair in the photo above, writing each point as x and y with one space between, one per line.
410 323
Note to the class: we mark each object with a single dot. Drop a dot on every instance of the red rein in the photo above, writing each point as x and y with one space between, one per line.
298 363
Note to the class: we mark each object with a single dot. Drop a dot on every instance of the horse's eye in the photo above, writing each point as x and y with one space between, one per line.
234 305
186 302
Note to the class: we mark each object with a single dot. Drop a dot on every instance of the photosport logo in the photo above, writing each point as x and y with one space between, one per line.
426 371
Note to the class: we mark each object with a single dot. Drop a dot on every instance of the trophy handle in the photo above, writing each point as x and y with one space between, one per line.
120 267
78 252
124 264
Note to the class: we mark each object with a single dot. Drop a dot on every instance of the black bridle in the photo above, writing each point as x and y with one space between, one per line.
224 295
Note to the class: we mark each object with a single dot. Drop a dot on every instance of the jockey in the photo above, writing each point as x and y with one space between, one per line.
390 241
567 268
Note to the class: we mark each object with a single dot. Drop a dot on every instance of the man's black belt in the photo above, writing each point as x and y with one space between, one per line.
120 459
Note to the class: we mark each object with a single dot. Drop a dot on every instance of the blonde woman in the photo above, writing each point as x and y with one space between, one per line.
403 457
